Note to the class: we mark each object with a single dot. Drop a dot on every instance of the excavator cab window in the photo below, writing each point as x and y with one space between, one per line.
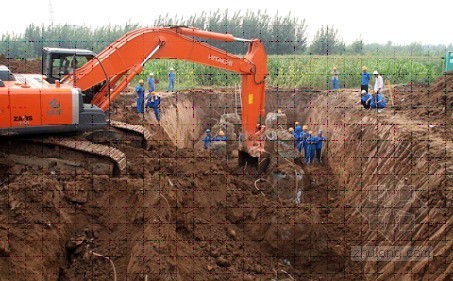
59 67
66 65
61 62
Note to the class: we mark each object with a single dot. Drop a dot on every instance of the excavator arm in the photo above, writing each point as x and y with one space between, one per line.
117 65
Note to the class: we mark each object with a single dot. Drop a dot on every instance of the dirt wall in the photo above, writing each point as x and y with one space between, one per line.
395 173
186 115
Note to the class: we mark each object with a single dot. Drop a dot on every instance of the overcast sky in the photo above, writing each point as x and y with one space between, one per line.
379 21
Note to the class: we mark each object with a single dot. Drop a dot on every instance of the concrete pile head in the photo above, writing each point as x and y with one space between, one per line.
233 119
285 145
280 144
276 120
220 149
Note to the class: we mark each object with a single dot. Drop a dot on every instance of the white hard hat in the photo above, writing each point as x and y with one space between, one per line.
171 69
375 72
151 74
363 92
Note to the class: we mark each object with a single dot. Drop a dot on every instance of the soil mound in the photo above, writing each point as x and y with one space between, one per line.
21 65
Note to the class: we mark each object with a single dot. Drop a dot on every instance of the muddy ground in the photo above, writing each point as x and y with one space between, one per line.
178 214
182 213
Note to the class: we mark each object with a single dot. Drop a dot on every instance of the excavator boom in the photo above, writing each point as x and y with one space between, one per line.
107 74
120 62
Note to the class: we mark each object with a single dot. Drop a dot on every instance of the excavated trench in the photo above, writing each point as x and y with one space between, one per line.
394 173
182 213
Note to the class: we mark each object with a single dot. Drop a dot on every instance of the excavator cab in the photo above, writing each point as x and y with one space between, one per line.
59 62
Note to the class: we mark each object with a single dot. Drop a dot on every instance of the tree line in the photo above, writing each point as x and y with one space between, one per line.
281 34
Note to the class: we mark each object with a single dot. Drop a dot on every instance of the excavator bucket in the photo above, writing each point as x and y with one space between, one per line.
258 160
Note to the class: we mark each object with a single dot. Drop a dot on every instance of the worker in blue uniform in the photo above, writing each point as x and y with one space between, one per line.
221 136
304 136
319 144
365 79
311 141
240 139
171 80
365 99
151 83
378 101
140 90
335 77
298 136
153 101
207 139
297 129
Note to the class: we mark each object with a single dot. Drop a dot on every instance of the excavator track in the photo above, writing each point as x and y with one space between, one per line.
115 155
139 129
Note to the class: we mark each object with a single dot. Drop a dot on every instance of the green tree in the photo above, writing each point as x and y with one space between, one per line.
356 47
326 42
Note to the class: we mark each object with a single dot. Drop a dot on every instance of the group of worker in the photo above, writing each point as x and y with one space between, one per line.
309 142
374 100
208 138
152 100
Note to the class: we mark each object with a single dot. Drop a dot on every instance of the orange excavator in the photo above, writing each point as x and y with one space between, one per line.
67 97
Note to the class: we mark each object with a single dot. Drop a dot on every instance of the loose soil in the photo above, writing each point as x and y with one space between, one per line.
182 213
21 65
